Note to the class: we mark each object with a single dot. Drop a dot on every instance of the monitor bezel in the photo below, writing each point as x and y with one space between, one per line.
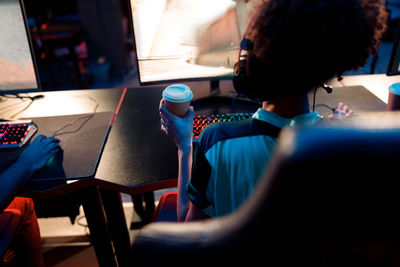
32 52
156 82
395 48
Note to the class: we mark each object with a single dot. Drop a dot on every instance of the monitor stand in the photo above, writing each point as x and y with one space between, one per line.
216 103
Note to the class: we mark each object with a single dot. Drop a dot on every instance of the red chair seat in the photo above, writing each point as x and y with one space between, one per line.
166 210
9 221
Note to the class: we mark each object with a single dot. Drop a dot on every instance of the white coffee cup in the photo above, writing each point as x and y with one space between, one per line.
177 99
394 97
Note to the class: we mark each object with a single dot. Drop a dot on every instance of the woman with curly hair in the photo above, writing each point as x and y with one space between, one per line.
296 45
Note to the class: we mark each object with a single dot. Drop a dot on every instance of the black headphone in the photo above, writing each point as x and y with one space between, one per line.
241 69
245 69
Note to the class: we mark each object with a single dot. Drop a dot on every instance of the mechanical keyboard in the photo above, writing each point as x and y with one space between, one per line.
201 121
16 133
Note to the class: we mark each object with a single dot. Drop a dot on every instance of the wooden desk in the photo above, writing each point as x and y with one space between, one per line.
138 156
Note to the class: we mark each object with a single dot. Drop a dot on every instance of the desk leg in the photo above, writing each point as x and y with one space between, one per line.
101 239
117 225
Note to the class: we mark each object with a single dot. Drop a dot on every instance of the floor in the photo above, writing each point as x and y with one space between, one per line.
66 244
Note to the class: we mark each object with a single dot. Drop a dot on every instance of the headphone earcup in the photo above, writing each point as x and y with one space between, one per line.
244 80
240 81
246 74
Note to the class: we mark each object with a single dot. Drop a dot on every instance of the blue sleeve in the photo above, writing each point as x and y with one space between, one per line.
201 171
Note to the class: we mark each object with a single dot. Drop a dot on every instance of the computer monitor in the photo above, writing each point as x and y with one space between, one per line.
18 71
394 62
188 39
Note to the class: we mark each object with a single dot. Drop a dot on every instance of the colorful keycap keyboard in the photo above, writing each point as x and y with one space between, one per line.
201 121
16 133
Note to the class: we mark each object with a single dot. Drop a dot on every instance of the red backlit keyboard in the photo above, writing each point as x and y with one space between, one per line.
201 121
16 133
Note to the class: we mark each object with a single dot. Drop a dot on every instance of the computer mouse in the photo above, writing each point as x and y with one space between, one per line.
54 168
56 159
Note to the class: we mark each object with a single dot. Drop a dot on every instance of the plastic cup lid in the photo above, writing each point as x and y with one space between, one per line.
395 88
177 93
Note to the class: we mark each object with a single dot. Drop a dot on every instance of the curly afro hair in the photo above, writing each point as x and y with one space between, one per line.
303 43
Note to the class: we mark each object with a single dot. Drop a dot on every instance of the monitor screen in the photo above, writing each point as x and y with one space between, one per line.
17 68
188 39
394 62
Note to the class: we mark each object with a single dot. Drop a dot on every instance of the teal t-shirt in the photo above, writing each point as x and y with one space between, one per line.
231 157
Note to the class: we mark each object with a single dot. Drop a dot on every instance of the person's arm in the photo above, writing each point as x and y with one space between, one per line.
33 158
181 132
185 167
195 214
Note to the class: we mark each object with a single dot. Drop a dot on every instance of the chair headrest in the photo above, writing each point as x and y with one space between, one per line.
379 131
333 168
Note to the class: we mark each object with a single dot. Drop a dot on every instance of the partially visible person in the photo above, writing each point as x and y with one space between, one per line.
27 242
293 47
341 111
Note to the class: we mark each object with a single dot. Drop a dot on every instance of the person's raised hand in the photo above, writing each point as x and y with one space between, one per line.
180 130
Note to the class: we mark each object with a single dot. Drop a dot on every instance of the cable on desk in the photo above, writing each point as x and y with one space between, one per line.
4 98
83 224
340 80
326 106
86 118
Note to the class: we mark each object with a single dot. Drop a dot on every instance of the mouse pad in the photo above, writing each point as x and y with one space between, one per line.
82 140
358 98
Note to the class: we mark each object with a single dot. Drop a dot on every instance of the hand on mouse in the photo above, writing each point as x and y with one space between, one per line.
37 154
